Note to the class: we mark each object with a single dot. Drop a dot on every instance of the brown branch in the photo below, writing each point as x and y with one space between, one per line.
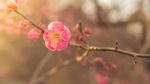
56 69
42 30
38 69
128 53
78 46
87 50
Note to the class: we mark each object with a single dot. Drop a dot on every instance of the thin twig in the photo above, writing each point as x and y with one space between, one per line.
78 46
66 63
39 68
30 21
56 69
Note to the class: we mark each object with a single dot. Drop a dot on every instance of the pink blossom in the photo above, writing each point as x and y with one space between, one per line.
98 60
57 36
101 79
12 5
23 25
33 34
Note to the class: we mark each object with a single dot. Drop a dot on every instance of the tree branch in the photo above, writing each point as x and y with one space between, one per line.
111 49
38 69
42 30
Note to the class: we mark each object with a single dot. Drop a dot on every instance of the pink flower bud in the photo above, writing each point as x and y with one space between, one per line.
81 38
114 66
97 60
77 27
33 34
23 25
87 31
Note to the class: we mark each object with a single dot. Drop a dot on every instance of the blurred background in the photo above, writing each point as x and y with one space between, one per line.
125 21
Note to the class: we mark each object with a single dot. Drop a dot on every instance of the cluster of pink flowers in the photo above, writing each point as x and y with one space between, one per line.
56 36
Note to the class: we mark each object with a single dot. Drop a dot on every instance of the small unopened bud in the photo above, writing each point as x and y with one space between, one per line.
87 31
23 25
97 60
114 66
33 34
135 62
81 38
77 27
11 4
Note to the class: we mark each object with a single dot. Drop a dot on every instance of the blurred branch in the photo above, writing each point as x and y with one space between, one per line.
57 69
144 42
144 35
145 48
99 14
39 68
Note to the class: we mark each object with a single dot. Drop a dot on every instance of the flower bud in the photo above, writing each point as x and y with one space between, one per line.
11 4
114 66
87 32
97 60
81 38
33 34
23 25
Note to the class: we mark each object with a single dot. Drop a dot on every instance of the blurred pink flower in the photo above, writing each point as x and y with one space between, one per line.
100 79
12 5
98 60
57 36
17 31
23 25
33 34
114 66
3 7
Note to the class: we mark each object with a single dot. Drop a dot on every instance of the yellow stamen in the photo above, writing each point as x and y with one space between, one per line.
56 36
